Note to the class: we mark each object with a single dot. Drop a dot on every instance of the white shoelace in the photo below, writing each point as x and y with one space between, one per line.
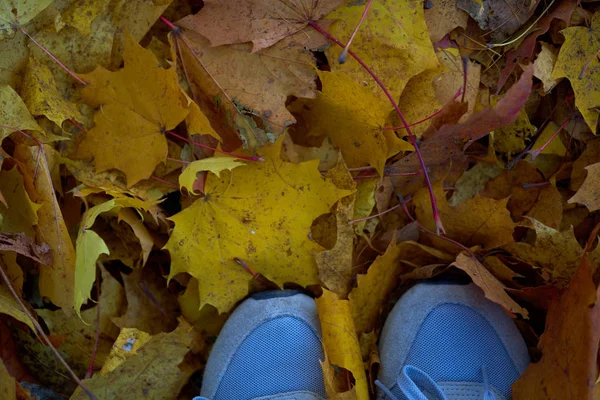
413 383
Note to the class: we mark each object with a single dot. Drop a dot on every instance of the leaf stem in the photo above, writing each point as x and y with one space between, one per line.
344 53
40 331
537 152
413 139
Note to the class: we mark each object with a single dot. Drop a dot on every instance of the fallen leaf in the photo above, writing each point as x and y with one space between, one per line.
393 42
543 66
443 149
78 338
572 333
443 18
88 248
21 244
501 18
14 57
562 12
261 22
352 117
151 307
451 80
479 221
19 213
588 192
139 229
335 265
559 253
41 96
112 303
244 84
8 385
340 341
492 288
81 14
152 373
10 306
14 113
578 62
334 385
555 147
234 220
212 164
13 270
130 340
137 104
14 13
57 279
374 287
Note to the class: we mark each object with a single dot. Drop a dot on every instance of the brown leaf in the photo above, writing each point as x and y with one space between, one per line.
568 368
525 50
480 221
492 288
150 306
21 244
443 150
588 194
261 22
246 84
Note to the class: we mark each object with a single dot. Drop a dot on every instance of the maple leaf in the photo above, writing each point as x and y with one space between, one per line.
578 62
9 306
352 117
19 213
572 333
138 103
212 164
340 341
14 114
245 85
41 96
478 221
154 369
14 13
374 287
261 214
261 22
588 192
492 288
393 42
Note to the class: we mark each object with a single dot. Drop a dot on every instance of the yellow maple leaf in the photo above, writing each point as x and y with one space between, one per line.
137 104
351 116
20 213
479 221
153 372
261 214
340 341
42 97
81 14
10 306
14 114
212 164
393 41
578 62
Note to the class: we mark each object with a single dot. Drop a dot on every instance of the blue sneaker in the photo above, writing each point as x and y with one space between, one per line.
447 341
269 348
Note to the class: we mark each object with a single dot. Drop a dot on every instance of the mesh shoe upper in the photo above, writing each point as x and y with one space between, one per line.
270 345
455 336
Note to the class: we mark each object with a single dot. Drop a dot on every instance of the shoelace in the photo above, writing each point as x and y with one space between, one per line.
413 383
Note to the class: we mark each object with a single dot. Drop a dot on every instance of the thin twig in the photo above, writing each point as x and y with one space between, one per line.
413 139
41 332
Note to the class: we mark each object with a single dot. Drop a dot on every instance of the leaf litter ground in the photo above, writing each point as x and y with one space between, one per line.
155 173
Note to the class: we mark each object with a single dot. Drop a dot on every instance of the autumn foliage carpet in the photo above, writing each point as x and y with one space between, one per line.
162 160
